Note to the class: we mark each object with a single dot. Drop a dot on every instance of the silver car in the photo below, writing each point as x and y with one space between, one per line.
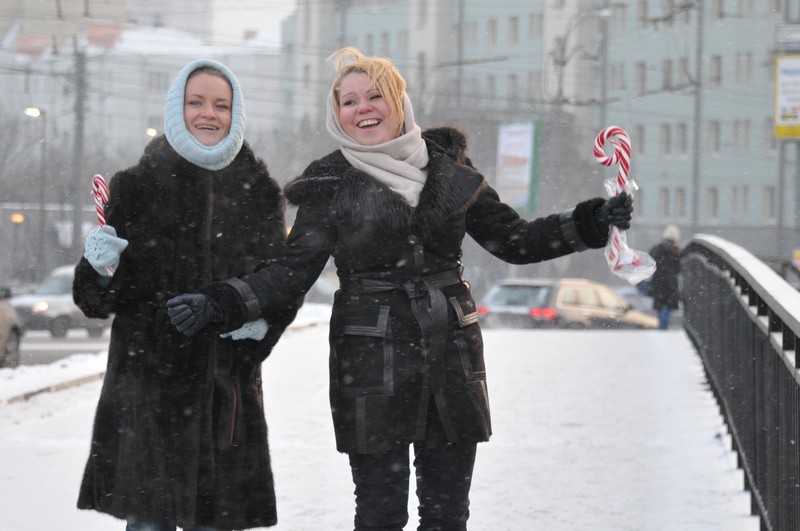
51 307
571 303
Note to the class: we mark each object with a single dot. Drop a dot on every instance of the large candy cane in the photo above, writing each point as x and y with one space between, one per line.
100 194
633 266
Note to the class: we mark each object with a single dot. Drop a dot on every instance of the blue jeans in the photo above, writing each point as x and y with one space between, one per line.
157 526
663 317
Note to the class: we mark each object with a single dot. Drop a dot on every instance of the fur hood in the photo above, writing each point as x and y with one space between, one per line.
451 187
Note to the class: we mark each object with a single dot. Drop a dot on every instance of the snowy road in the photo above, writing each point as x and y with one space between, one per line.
592 431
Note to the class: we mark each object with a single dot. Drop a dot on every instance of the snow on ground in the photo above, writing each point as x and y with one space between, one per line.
592 430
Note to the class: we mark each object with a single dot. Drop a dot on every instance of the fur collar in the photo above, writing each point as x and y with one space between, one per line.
452 186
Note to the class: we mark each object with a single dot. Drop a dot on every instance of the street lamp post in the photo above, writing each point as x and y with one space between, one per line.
37 113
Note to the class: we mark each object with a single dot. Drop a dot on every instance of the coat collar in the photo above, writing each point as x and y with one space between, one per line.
452 186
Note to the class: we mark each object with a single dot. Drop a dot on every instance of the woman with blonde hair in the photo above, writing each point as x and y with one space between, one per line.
392 206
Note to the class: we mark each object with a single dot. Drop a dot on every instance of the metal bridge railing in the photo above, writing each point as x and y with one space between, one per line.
743 320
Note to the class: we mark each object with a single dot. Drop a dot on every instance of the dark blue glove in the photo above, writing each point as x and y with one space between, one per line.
616 211
191 312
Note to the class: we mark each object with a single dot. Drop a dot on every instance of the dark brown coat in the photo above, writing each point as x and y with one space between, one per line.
406 357
180 434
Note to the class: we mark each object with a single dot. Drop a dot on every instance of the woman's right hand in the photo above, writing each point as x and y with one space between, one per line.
191 312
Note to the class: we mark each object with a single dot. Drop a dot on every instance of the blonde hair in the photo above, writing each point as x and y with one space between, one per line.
381 71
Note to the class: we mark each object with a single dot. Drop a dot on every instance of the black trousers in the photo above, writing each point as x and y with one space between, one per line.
444 476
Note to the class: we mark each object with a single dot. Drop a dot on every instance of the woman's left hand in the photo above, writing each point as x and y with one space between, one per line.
616 211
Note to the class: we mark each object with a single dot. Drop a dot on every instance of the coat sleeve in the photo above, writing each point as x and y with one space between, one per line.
269 291
499 229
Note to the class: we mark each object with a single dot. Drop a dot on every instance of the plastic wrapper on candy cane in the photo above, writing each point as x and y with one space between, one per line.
100 194
633 266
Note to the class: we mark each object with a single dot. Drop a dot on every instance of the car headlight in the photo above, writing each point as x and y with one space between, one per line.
40 307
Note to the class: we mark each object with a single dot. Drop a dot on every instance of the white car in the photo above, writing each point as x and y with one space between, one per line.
10 331
51 307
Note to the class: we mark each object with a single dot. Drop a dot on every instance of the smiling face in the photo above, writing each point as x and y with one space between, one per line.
364 113
207 106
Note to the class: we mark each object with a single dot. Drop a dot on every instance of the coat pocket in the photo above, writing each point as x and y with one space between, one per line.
464 306
363 355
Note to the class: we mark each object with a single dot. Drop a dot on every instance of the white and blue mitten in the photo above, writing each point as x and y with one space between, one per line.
103 248
252 330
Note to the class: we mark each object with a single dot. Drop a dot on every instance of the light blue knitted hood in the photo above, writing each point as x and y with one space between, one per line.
210 157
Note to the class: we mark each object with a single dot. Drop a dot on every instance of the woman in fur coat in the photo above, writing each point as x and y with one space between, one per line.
180 437
392 207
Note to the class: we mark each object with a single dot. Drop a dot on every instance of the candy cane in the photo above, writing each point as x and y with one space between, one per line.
624 262
622 153
100 194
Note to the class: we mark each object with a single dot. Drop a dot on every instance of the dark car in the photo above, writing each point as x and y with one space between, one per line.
10 331
51 307
571 303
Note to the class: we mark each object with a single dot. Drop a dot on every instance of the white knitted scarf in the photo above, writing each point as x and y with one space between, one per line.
401 163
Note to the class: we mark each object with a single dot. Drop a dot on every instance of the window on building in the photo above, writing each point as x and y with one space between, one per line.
491 90
668 11
666 139
735 202
491 33
641 78
682 139
769 203
641 144
158 81
306 76
718 9
512 88
715 71
385 44
422 13
745 199
663 203
666 74
746 130
402 43
534 26
619 16
369 43
713 137
615 76
683 72
736 133
680 202
513 31
712 204
641 20
534 85
770 144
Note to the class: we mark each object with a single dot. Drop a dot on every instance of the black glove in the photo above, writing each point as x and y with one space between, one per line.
191 312
616 211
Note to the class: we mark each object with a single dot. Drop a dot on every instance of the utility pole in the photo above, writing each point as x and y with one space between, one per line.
698 113
77 153
604 66
460 54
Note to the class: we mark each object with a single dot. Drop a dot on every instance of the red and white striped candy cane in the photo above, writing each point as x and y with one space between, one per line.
622 153
623 261
100 194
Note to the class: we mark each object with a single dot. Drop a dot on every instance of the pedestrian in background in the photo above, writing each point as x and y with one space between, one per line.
665 285
392 206
180 437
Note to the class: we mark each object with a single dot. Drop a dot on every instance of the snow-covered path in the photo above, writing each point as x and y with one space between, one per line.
592 430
